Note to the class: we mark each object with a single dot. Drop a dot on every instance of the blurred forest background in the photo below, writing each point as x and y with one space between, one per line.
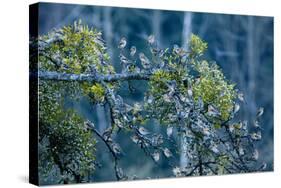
241 45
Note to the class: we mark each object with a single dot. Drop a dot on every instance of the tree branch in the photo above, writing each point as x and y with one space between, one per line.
49 75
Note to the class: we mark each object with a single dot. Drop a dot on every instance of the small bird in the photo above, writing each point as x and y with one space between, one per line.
123 59
263 166
120 173
135 139
156 156
200 103
177 171
241 151
260 112
236 108
213 111
256 135
144 61
122 43
206 131
257 124
154 51
189 92
118 123
172 87
255 154
167 152
241 97
107 133
176 49
215 149
167 98
88 125
133 51
143 131
117 149
238 125
151 39
169 131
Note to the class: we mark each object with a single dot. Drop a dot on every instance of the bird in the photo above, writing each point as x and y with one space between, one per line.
177 171
123 59
189 92
236 108
133 50
263 166
176 49
151 39
117 149
143 131
135 139
107 133
257 124
255 154
200 103
172 87
241 97
167 152
169 131
156 156
215 149
122 43
213 111
260 112
256 135
144 61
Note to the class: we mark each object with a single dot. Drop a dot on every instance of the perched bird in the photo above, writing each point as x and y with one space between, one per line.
169 131
143 131
157 140
135 139
177 171
118 123
122 43
167 98
256 124
154 51
206 131
256 135
120 173
172 87
215 149
238 125
263 166
156 156
200 103
88 125
236 108
167 152
241 97
144 61
133 50
117 149
189 92
260 112
107 133
126 63
151 39
255 154
213 111
241 151
176 49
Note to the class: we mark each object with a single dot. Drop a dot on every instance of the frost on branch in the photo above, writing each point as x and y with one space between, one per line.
187 95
